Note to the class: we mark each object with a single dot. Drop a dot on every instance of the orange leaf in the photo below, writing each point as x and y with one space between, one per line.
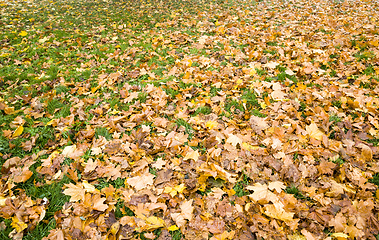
23 177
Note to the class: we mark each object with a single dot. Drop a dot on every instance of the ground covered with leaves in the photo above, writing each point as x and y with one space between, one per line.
189 119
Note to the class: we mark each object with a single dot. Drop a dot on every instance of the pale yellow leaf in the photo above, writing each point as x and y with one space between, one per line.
192 155
234 140
314 132
281 214
187 209
141 182
76 192
277 185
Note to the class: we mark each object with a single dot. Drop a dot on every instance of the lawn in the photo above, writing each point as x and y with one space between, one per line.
189 119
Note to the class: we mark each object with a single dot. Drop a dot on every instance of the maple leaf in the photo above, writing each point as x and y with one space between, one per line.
187 209
192 155
260 191
211 124
75 191
22 175
178 219
98 203
314 132
277 185
141 182
154 223
258 124
18 225
281 214
234 140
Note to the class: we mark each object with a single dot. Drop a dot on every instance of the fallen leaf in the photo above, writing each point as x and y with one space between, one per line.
187 209
314 132
234 140
141 182
76 192
18 131
192 155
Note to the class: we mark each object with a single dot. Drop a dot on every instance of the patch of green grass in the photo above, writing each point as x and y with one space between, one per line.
334 118
103 183
339 161
337 103
122 210
251 99
53 104
142 97
375 179
364 56
101 131
189 130
374 141
296 192
257 113
4 233
205 110
64 111
153 170
231 105
176 235
52 192
239 187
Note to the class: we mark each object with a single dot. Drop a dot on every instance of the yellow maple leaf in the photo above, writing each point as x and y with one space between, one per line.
18 225
173 228
18 131
154 223
173 191
340 236
234 140
252 72
281 214
211 124
180 188
23 33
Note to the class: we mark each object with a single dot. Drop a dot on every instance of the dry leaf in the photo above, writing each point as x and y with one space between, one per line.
141 182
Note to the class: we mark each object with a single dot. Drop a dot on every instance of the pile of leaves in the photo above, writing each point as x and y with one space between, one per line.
191 119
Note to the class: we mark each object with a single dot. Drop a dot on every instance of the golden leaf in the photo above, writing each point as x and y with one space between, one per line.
211 124
173 228
154 223
192 155
18 131
18 225
314 132
281 214
23 33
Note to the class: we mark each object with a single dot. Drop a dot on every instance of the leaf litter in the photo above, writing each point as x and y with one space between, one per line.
187 119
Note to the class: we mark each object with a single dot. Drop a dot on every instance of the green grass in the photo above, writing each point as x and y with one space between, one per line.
188 128
296 192
239 187
101 131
